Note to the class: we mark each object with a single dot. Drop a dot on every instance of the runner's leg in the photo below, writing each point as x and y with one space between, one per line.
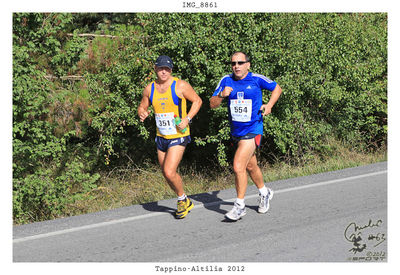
169 162
243 155
255 172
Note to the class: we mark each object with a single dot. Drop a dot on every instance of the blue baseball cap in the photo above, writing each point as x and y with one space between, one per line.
164 61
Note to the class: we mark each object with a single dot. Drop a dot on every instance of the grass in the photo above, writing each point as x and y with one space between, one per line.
134 185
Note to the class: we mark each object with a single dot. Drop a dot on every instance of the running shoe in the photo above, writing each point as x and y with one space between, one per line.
184 206
264 202
236 212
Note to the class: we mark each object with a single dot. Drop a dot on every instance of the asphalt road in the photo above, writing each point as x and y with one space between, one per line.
337 216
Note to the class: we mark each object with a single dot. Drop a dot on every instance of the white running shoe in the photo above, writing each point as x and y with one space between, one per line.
264 202
236 212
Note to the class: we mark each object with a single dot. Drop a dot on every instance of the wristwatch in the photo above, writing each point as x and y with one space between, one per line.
189 119
220 95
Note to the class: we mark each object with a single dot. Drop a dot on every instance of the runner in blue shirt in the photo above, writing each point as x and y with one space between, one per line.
243 90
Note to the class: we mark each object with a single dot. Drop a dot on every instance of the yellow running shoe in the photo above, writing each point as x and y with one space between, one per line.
184 206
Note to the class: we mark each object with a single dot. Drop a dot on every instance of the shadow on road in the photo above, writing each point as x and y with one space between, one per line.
154 207
211 201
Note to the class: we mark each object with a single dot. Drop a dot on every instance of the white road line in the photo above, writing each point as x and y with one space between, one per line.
102 224
311 185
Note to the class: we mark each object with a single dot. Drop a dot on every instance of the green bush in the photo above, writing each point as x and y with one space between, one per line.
41 195
47 117
332 69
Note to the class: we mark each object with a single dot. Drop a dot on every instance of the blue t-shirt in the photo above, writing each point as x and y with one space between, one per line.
245 101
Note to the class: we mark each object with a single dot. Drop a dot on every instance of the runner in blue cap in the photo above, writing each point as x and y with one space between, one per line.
169 95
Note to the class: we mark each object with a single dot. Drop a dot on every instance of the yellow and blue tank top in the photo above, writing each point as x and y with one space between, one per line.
167 105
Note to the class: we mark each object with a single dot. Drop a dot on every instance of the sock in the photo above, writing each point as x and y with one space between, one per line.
183 197
240 202
263 191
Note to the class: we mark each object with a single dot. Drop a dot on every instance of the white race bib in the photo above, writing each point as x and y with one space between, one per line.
166 124
241 110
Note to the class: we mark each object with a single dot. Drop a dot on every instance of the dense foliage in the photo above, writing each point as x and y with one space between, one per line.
75 97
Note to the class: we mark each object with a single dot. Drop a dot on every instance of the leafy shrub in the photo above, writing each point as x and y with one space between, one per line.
47 116
332 69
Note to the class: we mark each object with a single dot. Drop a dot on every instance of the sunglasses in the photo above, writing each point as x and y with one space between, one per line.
233 63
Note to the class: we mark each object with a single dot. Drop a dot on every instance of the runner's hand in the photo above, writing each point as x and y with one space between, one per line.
266 109
227 91
184 123
143 115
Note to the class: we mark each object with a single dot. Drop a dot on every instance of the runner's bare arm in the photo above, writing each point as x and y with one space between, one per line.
215 101
144 104
189 93
267 108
